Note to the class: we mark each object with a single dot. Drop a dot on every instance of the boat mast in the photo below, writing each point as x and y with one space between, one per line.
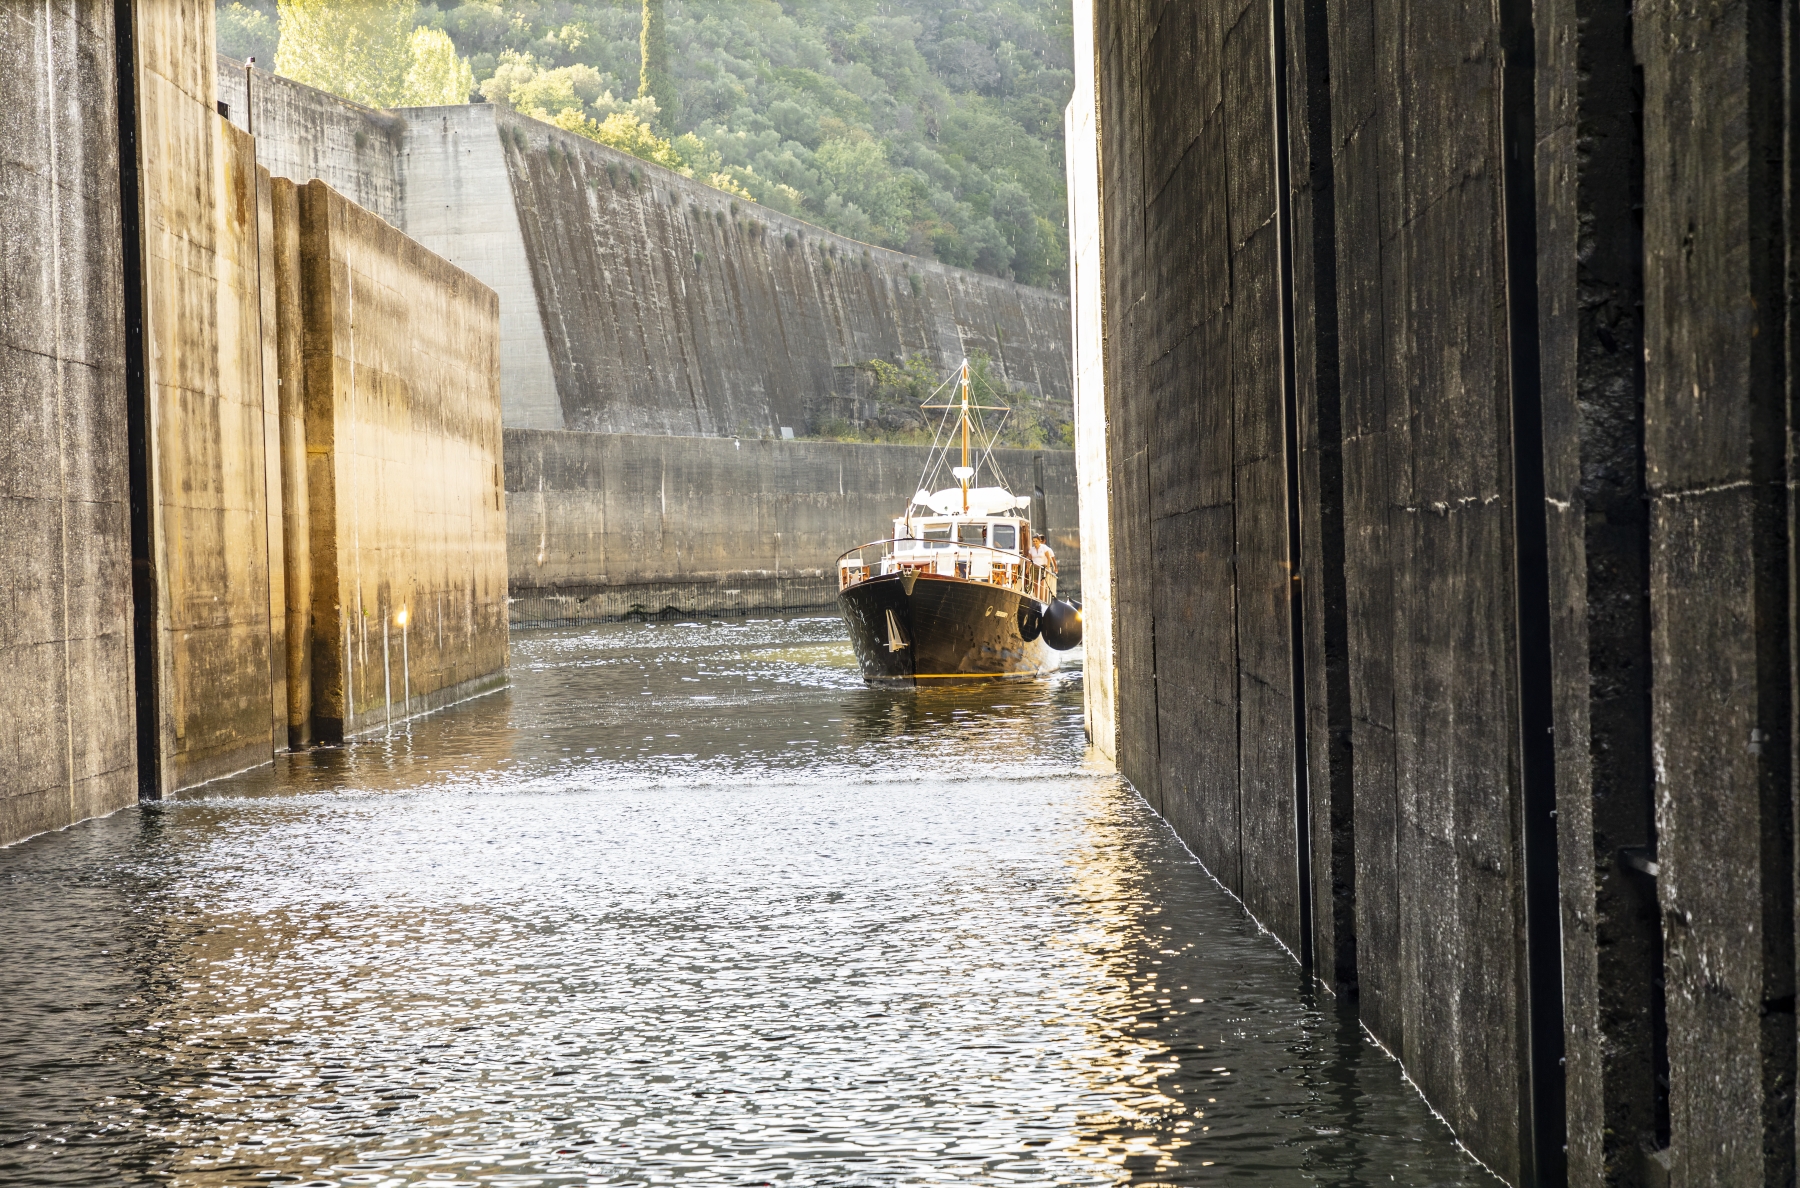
965 472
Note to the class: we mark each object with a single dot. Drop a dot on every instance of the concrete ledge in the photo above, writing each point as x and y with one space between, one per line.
563 605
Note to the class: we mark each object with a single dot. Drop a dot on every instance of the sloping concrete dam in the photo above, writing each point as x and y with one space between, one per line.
600 525
251 488
632 299
1449 406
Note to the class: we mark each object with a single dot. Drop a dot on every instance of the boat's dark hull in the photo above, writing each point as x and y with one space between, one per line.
957 631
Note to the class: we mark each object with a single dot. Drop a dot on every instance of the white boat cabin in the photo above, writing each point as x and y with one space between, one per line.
986 542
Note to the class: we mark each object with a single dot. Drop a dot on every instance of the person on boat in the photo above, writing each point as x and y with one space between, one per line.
1041 552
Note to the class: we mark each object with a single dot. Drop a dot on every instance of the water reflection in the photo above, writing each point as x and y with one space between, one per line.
688 903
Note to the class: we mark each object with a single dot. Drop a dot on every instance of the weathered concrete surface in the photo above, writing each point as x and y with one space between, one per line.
1590 189
66 730
215 662
406 514
602 525
1718 419
303 133
1514 259
632 299
1427 480
1081 142
1414 872
460 205
1318 426
670 308
1196 438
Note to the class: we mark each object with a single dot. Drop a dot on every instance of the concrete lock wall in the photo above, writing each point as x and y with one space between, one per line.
324 415
215 665
66 729
602 525
1082 150
1448 412
406 518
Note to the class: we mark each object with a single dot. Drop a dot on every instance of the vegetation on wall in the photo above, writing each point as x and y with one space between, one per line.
922 125
891 413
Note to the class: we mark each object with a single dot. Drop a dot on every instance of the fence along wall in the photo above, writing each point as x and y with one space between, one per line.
1511 316
604 525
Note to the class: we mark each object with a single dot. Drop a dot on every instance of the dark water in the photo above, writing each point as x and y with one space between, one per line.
687 904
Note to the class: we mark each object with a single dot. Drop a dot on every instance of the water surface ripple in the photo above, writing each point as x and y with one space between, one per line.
686 904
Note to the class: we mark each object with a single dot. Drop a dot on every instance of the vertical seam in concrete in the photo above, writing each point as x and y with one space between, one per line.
1284 240
1546 1152
144 649
62 445
1332 596
1769 167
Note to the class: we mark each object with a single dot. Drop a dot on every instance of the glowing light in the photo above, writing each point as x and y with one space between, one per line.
401 617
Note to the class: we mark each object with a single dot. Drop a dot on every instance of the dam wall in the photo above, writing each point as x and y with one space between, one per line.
670 307
602 526
634 300
67 737
1448 423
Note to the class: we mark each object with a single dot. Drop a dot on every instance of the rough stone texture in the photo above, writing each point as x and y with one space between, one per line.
1082 149
204 374
406 516
1590 185
602 525
1717 337
66 730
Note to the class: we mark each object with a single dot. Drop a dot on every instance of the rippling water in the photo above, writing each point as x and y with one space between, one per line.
688 903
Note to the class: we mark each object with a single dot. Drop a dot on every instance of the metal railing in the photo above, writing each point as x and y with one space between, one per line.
945 558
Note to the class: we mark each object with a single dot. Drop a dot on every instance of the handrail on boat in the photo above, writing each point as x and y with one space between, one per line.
1012 571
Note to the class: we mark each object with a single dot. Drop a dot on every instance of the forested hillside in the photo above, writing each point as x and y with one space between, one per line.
930 126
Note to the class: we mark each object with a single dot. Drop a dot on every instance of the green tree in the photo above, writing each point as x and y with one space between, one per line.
369 51
246 32
437 75
654 81
360 51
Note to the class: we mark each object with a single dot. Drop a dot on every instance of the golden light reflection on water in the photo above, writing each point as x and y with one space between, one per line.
688 904
1143 1131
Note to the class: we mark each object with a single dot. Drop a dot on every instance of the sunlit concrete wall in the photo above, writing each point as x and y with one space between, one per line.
601 525
66 733
216 667
1081 149
406 510
459 203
